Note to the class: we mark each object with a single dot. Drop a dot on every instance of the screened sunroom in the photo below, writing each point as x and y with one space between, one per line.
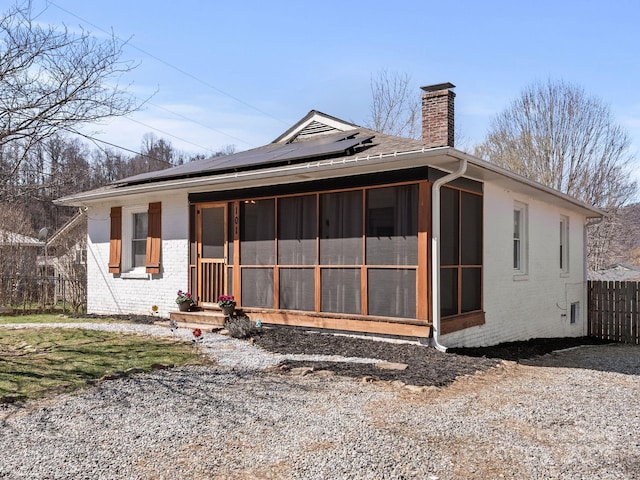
354 249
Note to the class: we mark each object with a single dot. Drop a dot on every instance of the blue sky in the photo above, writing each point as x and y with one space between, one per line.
240 73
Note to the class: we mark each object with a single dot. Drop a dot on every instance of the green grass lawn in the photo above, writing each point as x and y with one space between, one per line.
46 318
38 362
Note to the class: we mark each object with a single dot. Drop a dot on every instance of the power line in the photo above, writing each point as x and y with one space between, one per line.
169 134
201 124
211 150
94 140
170 65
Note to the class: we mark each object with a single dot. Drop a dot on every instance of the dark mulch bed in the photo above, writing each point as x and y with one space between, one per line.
426 366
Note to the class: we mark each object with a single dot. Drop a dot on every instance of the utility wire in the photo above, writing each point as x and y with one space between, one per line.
164 62
169 134
97 140
178 69
201 124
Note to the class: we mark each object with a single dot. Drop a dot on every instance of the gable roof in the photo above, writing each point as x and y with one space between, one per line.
320 146
618 272
312 124
12 238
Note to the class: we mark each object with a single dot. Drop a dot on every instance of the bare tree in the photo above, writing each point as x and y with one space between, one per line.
18 256
557 135
395 105
68 256
629 252
53 80
158 151
224 150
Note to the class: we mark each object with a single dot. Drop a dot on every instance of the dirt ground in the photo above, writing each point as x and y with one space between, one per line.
425 366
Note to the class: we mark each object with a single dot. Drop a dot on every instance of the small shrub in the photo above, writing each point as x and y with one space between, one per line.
241 327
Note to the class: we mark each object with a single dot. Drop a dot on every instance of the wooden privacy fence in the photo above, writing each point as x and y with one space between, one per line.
614 311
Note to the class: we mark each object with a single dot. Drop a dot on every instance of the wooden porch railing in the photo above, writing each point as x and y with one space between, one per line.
212 281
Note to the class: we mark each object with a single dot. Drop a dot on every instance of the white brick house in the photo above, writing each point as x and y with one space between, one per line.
336 226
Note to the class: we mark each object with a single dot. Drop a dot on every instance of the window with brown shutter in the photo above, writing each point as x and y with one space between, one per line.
115 240
153 238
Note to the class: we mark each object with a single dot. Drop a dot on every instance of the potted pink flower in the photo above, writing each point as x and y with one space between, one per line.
227 303
184 301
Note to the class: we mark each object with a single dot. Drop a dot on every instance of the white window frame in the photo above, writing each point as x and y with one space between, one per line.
564 245
520 240
127 239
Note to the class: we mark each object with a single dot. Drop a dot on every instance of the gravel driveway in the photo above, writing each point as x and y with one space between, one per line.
568 415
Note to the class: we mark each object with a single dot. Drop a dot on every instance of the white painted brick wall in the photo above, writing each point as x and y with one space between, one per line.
114 294
538 304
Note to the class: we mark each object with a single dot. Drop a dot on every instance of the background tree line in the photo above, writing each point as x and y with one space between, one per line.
61 165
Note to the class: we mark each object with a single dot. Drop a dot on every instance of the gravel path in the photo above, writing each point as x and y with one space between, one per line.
569 415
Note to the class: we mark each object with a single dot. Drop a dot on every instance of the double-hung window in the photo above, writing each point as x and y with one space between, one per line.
520 243
139 239
135 243
564 245
135 226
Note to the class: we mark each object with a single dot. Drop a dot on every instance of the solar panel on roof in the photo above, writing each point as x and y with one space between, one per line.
266 155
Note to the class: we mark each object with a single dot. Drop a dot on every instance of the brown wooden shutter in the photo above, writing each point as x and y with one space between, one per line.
115 240
154 232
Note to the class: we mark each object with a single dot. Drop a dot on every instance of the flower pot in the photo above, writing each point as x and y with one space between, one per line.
228 311
184 306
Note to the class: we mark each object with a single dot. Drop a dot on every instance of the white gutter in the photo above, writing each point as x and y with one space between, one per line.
316 169
435 250
209 181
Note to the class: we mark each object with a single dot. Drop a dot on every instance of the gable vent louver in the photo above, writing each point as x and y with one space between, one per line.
315 128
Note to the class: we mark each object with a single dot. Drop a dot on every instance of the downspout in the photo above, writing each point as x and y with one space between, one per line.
435 251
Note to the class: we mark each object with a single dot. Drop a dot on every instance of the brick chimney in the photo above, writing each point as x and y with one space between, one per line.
437 115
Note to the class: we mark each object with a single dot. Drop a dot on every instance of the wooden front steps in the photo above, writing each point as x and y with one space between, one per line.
209 319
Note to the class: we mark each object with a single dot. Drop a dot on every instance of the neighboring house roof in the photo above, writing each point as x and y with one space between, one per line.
12 238
319 147
618 272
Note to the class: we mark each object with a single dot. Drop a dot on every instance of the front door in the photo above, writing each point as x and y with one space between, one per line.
212 252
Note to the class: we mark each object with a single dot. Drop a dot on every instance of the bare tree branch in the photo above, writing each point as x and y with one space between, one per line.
52 79
557 135
395 107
